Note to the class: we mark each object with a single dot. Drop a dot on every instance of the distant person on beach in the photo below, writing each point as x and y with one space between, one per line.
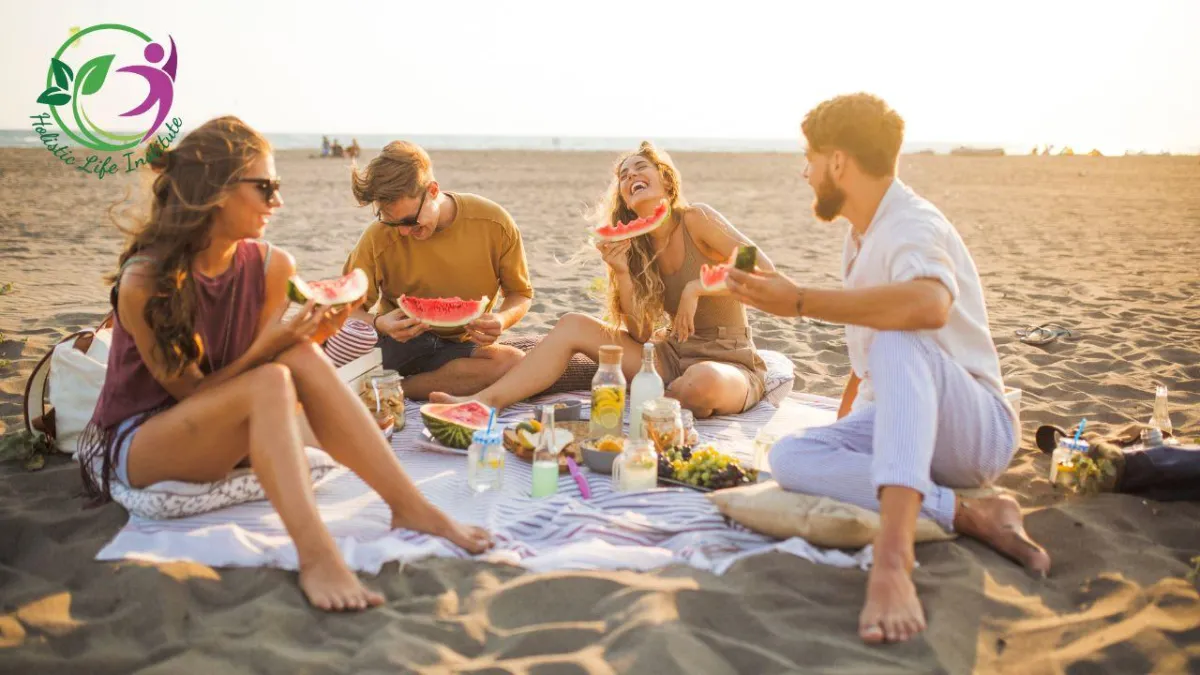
705 351
924 410
205 374
427 242
324 146
336 150
353 150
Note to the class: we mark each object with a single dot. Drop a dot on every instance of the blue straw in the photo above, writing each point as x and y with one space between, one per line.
1079 431
491 420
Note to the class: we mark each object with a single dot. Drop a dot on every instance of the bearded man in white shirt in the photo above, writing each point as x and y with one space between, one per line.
924 411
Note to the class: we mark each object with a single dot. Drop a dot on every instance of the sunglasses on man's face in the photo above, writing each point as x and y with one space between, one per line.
267 186
410 221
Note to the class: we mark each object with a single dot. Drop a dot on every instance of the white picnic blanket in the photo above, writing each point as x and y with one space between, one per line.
611 530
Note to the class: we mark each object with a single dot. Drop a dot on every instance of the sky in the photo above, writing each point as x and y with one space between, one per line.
1110 75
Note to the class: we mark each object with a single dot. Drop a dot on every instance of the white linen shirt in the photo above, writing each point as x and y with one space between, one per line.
908 239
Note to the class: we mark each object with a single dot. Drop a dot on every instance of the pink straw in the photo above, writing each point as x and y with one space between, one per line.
584 488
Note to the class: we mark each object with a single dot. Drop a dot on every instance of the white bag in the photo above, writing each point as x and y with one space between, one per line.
69 378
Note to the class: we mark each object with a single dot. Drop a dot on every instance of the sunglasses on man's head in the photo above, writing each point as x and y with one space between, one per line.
267 186
410 221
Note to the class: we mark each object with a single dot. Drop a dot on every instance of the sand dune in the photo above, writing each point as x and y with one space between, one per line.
1104 246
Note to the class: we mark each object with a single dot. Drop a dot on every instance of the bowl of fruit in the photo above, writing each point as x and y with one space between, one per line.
599 453
703 468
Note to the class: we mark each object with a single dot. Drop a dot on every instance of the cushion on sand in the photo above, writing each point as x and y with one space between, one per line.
769 509
176 499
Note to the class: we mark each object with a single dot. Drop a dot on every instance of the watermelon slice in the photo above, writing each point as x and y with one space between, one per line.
634 228
712 277
443 312
453 424
331 292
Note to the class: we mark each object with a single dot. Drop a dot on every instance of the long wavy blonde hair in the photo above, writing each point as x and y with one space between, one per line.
648 285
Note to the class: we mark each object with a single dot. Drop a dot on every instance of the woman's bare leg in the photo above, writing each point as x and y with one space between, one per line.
573 334
346 431
203 437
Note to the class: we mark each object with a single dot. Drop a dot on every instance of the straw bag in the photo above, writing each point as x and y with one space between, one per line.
61 393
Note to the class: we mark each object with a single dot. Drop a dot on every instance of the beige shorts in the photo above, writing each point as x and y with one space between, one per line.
732 346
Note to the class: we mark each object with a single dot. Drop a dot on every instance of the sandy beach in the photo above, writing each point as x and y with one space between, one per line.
1104 246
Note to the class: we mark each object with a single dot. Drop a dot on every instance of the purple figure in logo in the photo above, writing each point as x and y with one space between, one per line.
161 81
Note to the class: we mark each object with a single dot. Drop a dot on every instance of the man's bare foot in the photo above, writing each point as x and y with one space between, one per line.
997 522
331 586
892 612
468 537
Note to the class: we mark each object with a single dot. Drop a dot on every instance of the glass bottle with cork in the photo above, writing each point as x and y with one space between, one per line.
647 386
608 394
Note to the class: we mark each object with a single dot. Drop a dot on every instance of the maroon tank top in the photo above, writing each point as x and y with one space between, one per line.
228 308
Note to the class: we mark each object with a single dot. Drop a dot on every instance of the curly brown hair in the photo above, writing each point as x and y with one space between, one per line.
189 182
862 125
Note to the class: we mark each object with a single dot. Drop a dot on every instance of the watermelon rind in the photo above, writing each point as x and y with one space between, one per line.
455 433
412 312
353 287
605 231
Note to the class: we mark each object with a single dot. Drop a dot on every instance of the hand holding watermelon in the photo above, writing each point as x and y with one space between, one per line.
399 326
333 319
615 254
485 330
282 335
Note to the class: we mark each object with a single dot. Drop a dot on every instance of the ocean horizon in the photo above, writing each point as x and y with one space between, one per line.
26 138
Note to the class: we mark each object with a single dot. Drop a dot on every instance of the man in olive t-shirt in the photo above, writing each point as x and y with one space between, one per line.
429 243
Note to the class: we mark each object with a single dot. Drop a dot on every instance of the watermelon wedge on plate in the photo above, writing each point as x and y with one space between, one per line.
330 292
712 277
443 312
634 228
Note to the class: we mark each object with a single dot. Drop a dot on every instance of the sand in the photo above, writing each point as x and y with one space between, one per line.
1102 245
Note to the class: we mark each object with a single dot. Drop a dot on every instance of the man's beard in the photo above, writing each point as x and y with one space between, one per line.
830 199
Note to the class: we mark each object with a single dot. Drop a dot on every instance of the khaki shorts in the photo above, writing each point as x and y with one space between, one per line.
732 346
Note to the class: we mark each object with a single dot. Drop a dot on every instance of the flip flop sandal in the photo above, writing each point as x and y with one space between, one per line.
1044 334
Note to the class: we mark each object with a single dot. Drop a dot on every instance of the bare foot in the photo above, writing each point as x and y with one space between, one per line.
331 586
439 397
892 612
468 537
997 522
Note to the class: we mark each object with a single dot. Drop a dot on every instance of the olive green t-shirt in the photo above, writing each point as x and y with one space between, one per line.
478 254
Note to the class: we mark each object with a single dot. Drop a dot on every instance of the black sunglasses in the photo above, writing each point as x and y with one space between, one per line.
410 221
268 186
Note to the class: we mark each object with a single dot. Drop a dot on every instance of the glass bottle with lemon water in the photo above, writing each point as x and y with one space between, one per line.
545 457
647 386
608 394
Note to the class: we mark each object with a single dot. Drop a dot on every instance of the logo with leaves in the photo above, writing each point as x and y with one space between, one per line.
69 91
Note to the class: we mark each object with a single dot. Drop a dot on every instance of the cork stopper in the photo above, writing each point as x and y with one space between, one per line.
610 355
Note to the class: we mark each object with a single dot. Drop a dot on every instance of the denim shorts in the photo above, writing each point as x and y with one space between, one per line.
423 354
120 467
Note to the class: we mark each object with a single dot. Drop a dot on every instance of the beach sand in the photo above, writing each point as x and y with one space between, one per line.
1105 246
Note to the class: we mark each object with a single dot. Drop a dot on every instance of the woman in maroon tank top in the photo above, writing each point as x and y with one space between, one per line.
204 373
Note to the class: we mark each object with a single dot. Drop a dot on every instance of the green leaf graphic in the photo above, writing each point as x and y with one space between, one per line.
93 74
54 96
62 74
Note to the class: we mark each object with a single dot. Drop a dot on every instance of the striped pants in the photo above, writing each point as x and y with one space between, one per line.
932 427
